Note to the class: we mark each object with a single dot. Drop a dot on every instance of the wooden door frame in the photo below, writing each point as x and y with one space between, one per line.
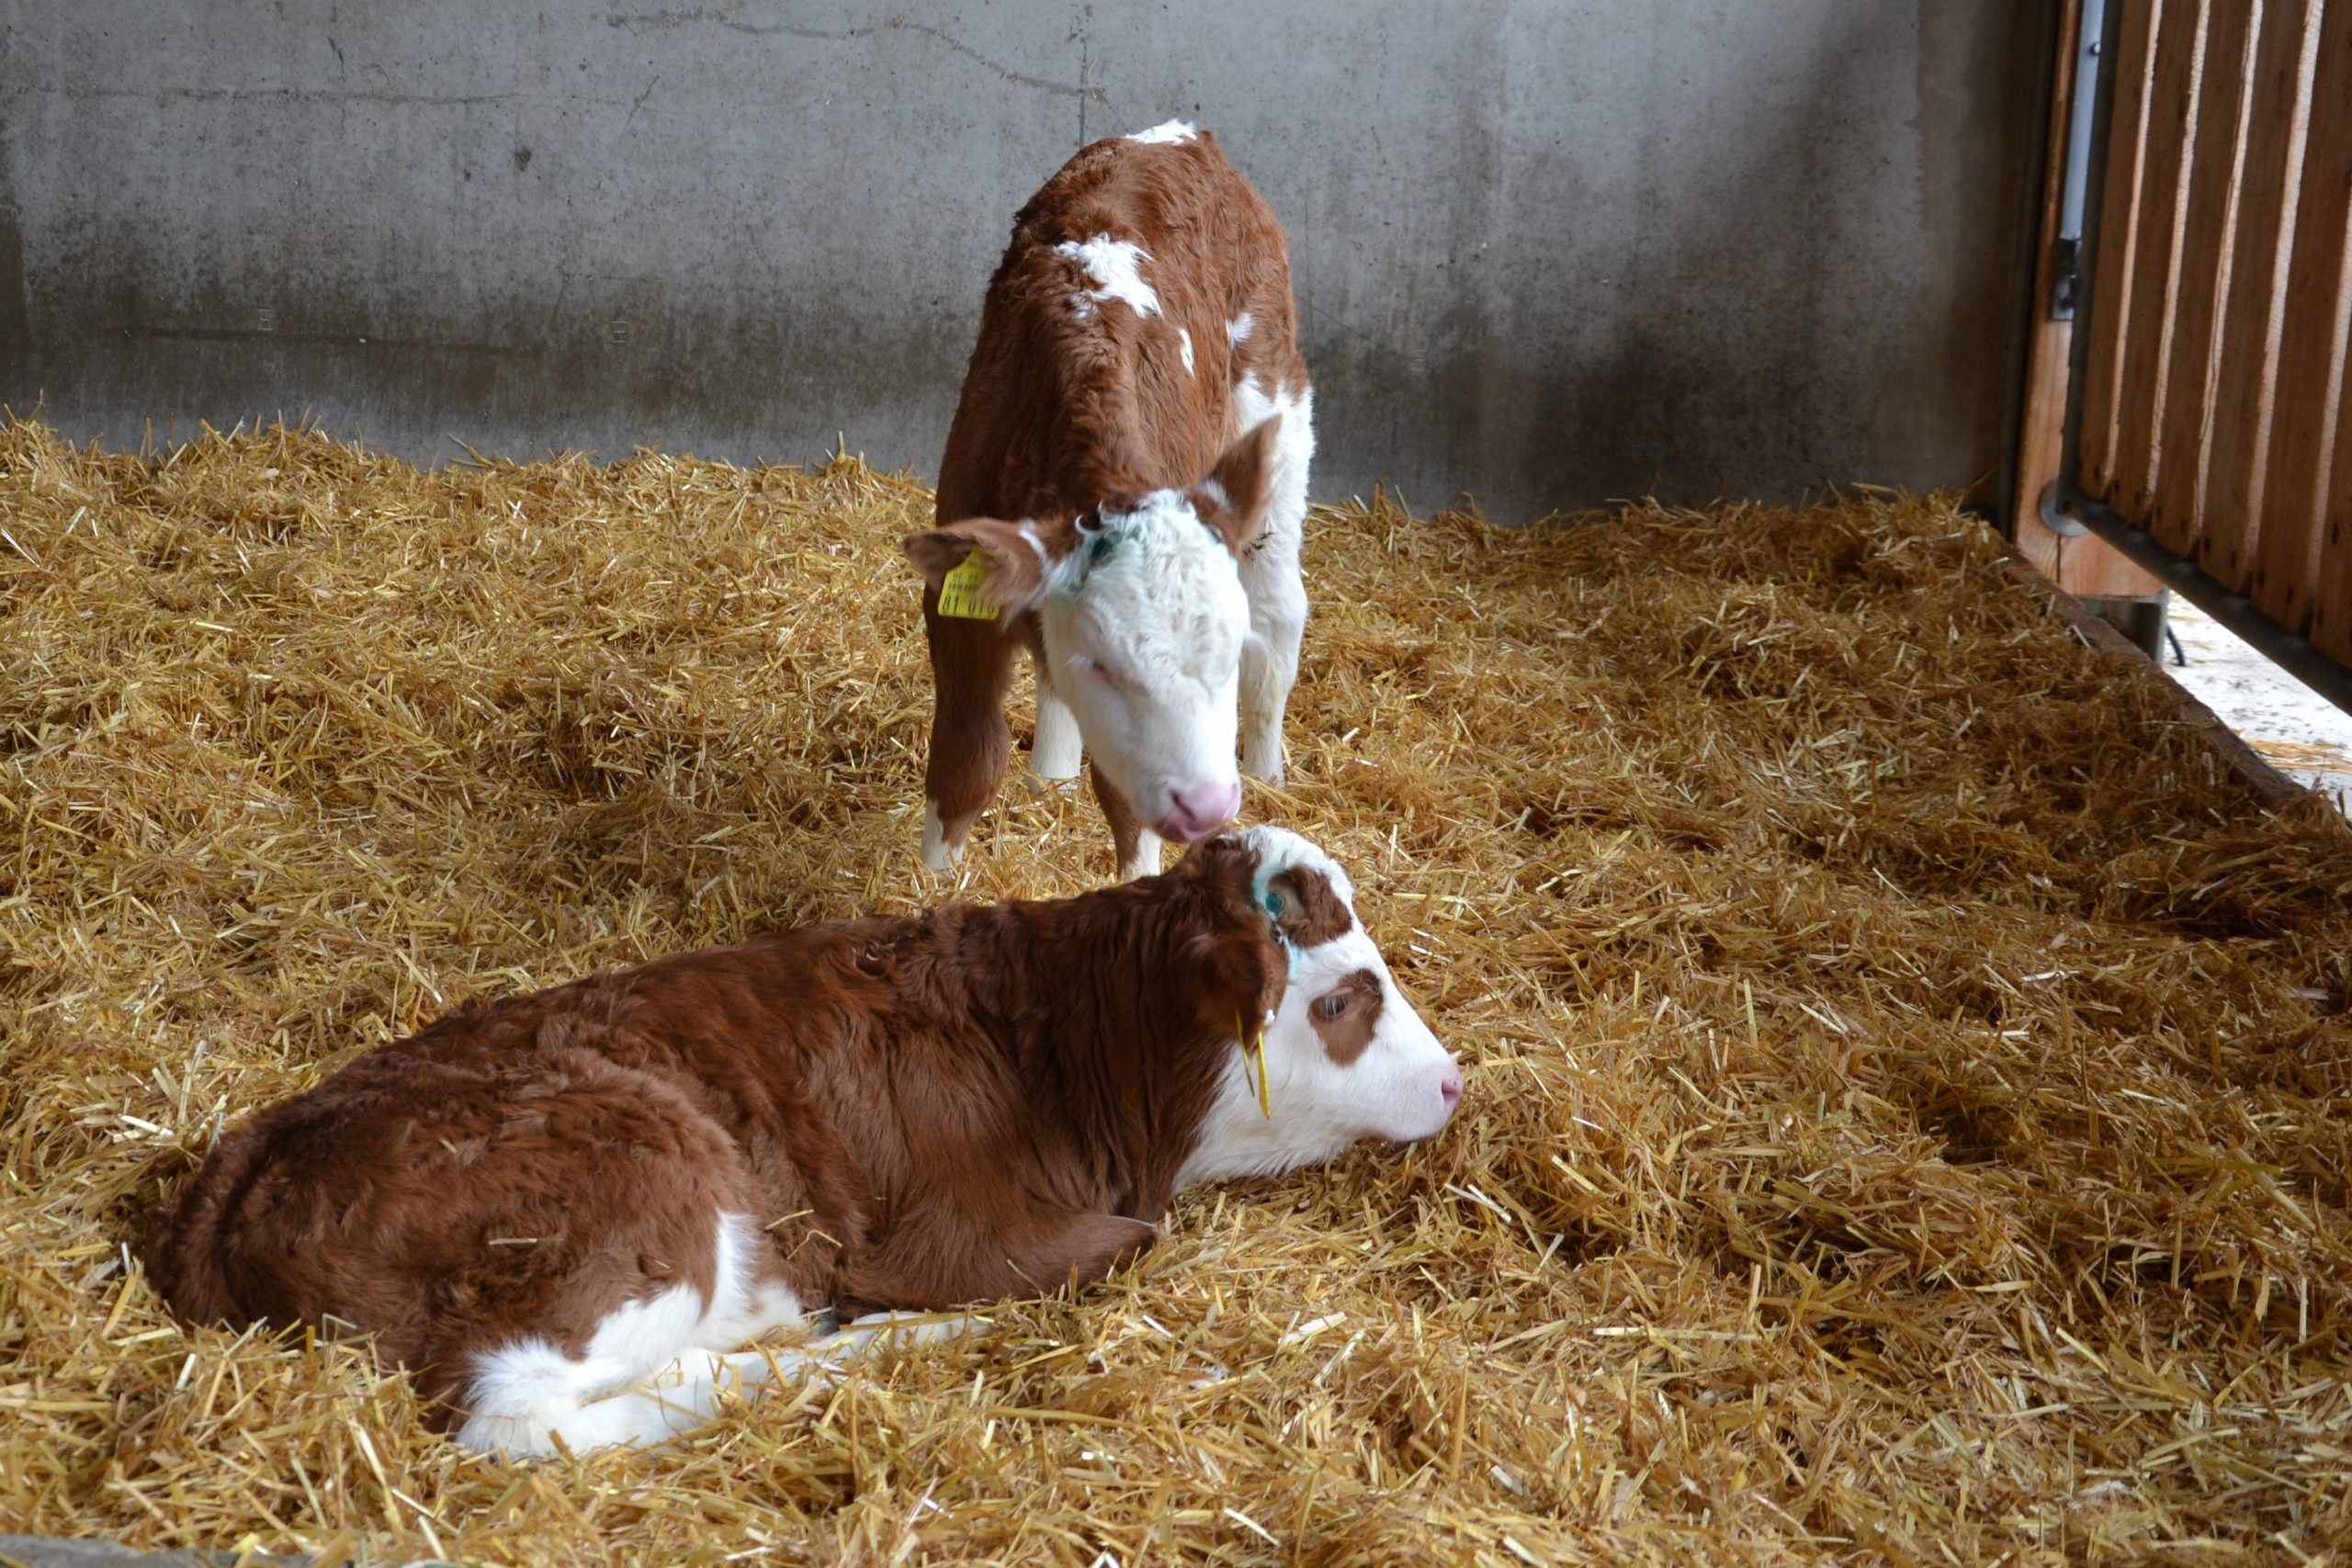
2079 561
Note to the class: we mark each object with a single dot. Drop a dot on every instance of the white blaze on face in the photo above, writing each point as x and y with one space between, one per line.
1143 625
1346 1057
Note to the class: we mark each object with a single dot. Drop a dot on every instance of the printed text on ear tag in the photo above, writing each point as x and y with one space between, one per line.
959 591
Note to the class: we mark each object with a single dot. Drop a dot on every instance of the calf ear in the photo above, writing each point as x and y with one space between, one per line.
1243 970
1018 556
1232 499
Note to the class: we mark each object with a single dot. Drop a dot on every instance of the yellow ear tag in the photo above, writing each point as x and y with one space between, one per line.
1256 1057
959 591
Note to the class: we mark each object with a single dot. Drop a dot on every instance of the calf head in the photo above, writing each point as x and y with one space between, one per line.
1140 607
1344 1056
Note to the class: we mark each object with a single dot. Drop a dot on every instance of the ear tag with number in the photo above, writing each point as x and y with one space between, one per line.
959 591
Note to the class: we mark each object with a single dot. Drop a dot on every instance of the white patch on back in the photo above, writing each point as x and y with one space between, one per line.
1237 331
1116 265
1184 341
1166 132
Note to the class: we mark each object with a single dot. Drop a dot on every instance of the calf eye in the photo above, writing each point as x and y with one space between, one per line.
1332 1006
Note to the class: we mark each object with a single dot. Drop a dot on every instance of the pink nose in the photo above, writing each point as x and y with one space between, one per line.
1197 810
1450 1086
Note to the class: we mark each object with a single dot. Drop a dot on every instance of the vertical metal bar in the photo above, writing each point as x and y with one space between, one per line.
2102 100
2081 120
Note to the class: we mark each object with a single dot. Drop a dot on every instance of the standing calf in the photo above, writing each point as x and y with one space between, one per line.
1127 478
568 1213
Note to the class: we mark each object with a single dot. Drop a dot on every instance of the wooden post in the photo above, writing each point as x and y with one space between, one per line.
2175 512
2085 564
2312 352
2245 382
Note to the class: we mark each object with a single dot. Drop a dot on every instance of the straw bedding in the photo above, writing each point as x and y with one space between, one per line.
1906 1069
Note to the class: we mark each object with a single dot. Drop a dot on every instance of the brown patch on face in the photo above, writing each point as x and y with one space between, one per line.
1346 1015
1313 913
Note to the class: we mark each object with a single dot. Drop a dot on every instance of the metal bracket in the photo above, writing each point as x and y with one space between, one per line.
2067 281
2063 523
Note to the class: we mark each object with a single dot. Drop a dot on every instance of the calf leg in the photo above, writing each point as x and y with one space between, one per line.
1138 846
1032 1250
971 666
1081 1250
653 1367
1269 670
1270 574
1055 751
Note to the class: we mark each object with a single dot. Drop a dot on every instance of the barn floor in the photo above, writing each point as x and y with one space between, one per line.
2294 729
1907 1071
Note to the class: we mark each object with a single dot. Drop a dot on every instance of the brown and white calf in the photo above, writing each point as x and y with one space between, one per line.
568 1213
1128 467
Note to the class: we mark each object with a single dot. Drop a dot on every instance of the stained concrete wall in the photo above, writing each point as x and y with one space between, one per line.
1547 252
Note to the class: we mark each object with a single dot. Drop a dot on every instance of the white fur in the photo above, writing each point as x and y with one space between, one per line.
653 1368
1167 130
1147 858
1144 643
1184 341
1393 1090
1237 331
1057 751
657 1368
1270 574
1116 268
937 853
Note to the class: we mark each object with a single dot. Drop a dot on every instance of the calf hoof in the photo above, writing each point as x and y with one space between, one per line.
937 853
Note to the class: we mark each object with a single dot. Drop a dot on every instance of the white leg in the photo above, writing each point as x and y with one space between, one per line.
654 1368
1055 754
1269 670
937 853
526 1394
1271 575
899 1330
1146 860
743 1306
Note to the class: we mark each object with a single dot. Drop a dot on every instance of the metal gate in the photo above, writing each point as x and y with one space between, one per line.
2209 425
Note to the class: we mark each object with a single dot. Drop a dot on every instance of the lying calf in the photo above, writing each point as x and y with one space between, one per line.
568 1213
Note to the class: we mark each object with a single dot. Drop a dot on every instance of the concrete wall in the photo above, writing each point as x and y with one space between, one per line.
1547 252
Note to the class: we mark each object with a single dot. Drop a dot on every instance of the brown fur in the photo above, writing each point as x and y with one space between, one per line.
923 1112
1062 412
1346 1015
1312 911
